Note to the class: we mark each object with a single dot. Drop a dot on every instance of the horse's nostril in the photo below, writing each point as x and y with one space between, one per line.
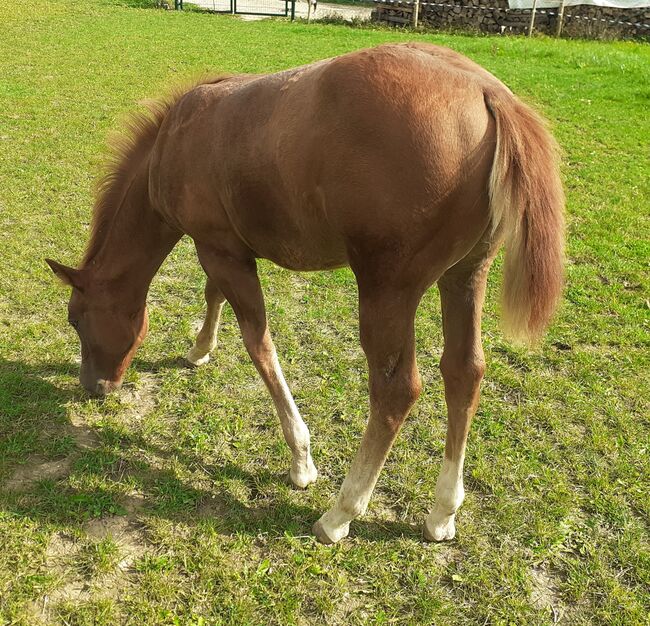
95 387
104 387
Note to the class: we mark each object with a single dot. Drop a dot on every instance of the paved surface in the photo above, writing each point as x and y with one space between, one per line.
346 11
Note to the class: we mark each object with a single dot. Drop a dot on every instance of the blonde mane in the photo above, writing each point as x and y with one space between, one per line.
126 150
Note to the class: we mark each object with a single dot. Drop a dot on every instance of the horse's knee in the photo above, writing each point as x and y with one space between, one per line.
464 373
393 396
412 388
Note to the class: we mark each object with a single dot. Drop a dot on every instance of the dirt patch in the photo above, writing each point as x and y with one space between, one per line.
299 286
84 436
545 593
212 508
74 584
382 509
446 554
139 401
348 606
134 502
38 469
123 529
59 562
126 532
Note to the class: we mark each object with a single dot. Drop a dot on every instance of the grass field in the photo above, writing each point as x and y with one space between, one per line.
168 503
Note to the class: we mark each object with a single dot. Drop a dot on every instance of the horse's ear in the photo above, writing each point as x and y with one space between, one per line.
67 275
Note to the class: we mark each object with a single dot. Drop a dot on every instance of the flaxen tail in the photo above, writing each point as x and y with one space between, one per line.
527 203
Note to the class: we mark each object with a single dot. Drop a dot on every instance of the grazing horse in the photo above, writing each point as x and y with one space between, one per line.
409 163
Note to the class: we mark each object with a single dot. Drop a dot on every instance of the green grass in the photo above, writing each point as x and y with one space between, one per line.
168 504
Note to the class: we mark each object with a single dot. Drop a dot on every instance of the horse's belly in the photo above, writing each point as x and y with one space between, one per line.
304 258
297 238
295 248
286 226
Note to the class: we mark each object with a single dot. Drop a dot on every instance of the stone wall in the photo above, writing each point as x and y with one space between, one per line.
494 16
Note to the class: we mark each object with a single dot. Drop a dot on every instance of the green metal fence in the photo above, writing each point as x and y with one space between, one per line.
281 8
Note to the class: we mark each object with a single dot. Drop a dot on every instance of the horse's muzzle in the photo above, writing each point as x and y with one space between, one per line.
101 387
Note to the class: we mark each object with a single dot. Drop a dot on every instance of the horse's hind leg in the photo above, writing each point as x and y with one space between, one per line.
462 290
206 340
388 339
237 279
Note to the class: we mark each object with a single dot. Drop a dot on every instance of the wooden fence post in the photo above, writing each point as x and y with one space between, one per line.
560 19
416 13
532 18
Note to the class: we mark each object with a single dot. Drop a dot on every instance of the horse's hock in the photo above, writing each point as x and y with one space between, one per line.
496 16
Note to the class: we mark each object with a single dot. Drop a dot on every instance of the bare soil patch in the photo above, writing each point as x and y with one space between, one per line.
38 469
545 593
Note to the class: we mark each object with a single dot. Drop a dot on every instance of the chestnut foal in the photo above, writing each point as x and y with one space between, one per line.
409 163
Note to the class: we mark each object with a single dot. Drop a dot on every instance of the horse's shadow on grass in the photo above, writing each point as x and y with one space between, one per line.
274 516
30 404
64 473
166 363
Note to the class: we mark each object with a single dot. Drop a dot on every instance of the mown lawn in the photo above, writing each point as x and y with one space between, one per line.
168 504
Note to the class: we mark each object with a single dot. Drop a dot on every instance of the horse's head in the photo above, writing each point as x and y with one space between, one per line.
110 331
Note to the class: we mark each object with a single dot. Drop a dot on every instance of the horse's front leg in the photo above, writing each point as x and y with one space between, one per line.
206 340
388 340
237 279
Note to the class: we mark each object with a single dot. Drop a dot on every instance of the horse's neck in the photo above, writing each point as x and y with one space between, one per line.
135 245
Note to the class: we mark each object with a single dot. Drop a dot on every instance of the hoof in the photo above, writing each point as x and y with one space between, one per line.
303 478
329 536
195 358
440 530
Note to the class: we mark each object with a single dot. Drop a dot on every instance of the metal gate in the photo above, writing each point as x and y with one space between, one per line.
277 8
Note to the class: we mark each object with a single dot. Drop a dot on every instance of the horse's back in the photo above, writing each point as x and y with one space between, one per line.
391 144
